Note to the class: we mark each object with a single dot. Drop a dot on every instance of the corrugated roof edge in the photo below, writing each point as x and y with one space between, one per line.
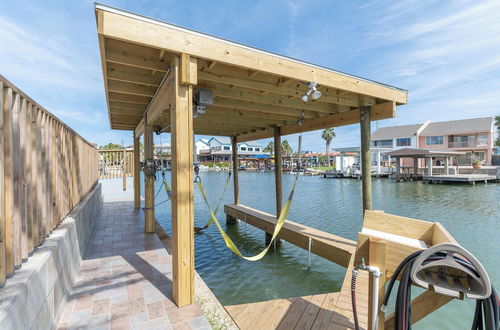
177 27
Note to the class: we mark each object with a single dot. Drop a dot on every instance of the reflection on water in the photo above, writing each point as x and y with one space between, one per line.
469 213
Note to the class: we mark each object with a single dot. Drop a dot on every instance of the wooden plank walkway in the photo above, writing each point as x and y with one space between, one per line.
323 311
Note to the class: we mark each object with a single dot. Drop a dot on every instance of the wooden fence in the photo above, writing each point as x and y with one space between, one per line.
116 163
46 168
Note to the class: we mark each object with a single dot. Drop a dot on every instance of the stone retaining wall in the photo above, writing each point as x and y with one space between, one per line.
33 298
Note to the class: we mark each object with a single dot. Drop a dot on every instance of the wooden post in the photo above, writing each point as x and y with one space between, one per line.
365 125
17 173
124 169
149 186
137 172
235 170
278 160
2 190
429 160
377 253
234 147
415 167
446 165
181 117
7 232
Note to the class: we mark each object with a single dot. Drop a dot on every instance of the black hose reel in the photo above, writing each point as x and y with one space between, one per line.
450 270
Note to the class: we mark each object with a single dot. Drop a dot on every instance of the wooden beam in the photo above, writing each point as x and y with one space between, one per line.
16 183
139 130
331 247
125 73
134 56
379 111
238 93
131 89
224 102
234 146
3 192
130 27
149 186
377 258
137 172
366 165
421 306
163 98
129 98
189 70
182 190
278 176
296 91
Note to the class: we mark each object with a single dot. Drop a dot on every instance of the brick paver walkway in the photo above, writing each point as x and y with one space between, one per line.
125 279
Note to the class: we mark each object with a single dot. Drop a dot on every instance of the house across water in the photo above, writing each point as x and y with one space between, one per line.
473 136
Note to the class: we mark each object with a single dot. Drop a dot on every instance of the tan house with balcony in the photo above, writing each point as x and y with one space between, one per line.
473 136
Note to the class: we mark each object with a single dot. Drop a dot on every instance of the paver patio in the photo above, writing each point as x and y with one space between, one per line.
125 279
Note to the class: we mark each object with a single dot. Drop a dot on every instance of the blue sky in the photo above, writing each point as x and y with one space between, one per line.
445 53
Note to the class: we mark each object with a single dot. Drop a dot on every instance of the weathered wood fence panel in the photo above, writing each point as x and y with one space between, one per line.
46 168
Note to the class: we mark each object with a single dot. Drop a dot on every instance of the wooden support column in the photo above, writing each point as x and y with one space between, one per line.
446 165
7 230
429 160
415 166
3 215
124 169
17 180
377 253
181 116
137 172
234 147
278 164
366 178
149 186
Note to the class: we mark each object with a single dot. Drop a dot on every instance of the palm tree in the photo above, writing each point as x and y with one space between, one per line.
328 135
286 149
497 124
269 148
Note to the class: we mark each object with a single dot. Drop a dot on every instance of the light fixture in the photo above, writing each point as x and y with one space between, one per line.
313 92
300 122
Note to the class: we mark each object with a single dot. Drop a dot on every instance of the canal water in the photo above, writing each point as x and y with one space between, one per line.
470 213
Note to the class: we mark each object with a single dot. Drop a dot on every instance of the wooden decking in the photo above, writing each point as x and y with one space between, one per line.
323 311
464 178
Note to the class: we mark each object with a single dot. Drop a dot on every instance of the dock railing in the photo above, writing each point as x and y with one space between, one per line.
46 169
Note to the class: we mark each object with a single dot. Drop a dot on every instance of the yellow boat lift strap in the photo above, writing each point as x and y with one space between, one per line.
221 199
229 243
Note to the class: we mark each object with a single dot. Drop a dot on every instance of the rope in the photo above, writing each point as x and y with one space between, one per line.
230 244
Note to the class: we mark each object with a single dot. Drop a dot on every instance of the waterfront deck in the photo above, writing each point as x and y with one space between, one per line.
323 311
462 178
125 279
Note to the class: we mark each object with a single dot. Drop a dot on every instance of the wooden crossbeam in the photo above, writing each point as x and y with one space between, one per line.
379 111
147 32
135 56
297 90
124 73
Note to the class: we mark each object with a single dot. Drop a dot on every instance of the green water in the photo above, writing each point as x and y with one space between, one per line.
470 213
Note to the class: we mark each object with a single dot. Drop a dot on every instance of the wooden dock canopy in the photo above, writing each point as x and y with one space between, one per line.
253 90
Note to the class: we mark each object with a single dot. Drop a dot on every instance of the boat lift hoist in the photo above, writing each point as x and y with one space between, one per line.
446 269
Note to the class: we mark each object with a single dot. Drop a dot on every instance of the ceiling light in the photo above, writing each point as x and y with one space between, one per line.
312 91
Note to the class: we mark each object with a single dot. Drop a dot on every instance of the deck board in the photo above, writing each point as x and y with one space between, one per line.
321 311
